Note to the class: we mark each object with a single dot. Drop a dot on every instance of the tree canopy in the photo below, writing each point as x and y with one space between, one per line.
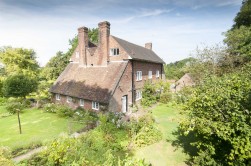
177 69
19 60
19 85
243 18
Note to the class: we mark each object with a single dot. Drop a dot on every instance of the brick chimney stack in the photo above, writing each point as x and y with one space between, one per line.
104 33
148 46
83 44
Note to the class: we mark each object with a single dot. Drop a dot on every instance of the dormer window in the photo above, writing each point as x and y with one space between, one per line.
77 55
114 51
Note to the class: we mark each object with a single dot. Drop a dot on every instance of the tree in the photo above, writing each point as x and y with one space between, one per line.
93 35
207 61
19 60
239 43
19 85
243 18
177 69
219 115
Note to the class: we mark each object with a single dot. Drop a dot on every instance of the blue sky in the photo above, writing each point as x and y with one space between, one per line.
175 27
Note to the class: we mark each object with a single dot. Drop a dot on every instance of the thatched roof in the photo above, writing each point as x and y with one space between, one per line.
92 83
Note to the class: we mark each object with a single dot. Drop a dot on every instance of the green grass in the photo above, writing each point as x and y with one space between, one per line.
37 127
164 153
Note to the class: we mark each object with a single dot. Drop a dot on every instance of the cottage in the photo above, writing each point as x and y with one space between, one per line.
185 80
106 76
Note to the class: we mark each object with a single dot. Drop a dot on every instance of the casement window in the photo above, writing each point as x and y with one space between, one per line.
114 51
69 99
157 73
138 95
57 96
95 105
81 102
77 54
139 75
150 74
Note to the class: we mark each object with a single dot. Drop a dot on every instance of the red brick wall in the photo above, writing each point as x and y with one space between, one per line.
75 103
122 53
124 88
145 67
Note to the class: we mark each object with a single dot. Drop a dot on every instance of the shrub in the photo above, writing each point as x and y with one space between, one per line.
13 107
143 131
5 157
50 107
219 115
149 95
64 111
3 100
166 97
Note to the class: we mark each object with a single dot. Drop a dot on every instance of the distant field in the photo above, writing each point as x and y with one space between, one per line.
37 126
163 153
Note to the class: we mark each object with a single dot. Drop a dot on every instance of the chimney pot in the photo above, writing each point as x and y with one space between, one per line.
83 44
104 33
148 46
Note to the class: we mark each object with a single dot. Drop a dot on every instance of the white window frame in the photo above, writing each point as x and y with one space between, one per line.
81 102
68 99
138 75
150 74
114 51
77 55
95 105
58 97
157 73
138 95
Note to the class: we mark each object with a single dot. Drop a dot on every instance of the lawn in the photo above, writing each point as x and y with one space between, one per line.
164 153
37 127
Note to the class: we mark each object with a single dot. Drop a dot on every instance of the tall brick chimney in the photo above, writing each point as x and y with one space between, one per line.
83 44
104 33
148 46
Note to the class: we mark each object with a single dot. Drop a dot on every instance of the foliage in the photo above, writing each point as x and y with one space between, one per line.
239 42
107 144
5 157
50 107
12 107
166 97
149 96
93 35
243 17
219 114
64 111
19 60
19 85
183 95
153 92
143 131
208 62
177 69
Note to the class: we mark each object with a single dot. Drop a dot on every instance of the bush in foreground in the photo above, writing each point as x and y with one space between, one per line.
219 115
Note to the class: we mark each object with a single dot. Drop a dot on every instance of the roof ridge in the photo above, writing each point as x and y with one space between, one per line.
132 43
138 52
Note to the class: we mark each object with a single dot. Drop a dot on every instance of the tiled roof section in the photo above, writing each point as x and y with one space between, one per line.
92 83
138 52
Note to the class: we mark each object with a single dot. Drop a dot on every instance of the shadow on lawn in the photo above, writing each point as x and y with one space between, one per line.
185 143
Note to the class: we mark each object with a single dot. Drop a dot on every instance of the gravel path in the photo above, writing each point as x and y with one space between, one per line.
27 155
